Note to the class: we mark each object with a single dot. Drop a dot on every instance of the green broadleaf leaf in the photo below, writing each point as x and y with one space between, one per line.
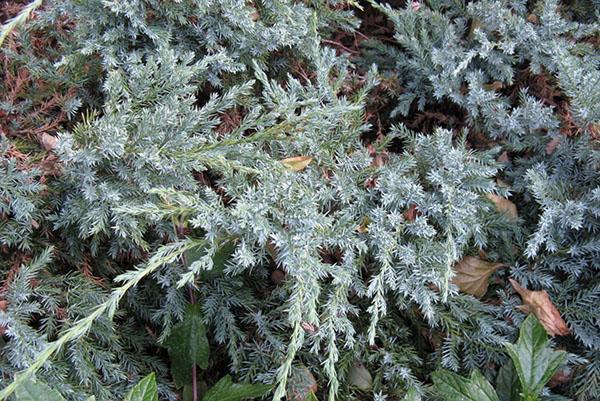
226 390
188 346
145 390
411 395
480 389
91 398
188 393
453 387
33 390
219 259
534 359
507 383
450 385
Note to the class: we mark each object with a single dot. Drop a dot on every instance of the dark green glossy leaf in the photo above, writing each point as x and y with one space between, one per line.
145 390
453 387
188 346
219 259
226 390
507 383
534 359
33 390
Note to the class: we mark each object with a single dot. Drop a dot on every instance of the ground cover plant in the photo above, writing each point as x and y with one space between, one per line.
300 200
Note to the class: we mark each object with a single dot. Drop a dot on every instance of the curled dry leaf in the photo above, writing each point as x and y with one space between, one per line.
533 18
360 377
380 159
494 86
472 275
297 163
411 213
363 227
539 303
309 327
503 158
49 142
505 206
301 384
561 376
370 183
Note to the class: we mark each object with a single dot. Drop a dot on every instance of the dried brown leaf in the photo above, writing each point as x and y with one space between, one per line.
49 142
539 303
503 158
297 163
301 384
505 206
562 376
411 213
472 275
309 327
363 227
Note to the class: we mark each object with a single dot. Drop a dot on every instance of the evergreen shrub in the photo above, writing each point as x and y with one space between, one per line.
284 199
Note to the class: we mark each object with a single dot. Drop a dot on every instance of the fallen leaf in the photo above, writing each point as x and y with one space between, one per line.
360 377
562 376
301 384
533 18
297 163
472 275
503 158
412 213
309 327
539 303
494 86
380 159
370 183
363 227
551 146
505 206
48 141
